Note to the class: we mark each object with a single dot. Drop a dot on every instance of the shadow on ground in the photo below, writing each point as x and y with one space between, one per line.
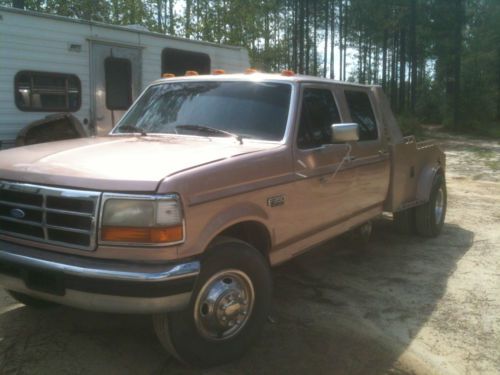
335 311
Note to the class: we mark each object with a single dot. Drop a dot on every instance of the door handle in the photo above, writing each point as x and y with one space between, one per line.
383 152
350 158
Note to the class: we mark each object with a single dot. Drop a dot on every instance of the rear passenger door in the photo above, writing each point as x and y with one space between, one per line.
321 199
369 155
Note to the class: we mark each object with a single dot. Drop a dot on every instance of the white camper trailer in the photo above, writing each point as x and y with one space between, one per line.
51 64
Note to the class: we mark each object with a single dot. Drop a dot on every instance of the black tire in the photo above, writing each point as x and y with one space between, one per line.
429 223
31 301
405 221
178 331
359 237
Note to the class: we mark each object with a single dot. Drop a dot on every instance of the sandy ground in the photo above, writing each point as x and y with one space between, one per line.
406 306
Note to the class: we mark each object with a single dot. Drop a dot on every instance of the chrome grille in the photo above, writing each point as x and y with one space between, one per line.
50 215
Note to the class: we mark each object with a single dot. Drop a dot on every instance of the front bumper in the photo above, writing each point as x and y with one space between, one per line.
97 284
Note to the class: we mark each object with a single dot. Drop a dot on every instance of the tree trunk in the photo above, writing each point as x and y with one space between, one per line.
384 59
332 46
325 54
341 41
171 25
301 36
188 18
457 63
394 78
344 62
158 11
402 69
315 39
413 54
307 37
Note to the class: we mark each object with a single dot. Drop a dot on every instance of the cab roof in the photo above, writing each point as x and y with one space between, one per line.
295 78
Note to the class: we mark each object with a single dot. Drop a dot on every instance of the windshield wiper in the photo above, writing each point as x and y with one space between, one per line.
208 129
133 128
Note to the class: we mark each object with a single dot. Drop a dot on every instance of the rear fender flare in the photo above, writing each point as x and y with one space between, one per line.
425 181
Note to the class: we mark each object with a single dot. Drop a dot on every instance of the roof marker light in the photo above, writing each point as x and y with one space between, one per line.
250 70
168 75
287 73
218 71
191 73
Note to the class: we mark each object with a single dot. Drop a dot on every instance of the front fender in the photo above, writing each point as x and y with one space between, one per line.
235 214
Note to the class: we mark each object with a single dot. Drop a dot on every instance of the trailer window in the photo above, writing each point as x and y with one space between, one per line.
362 114
47 92
319 112
177 61
118 77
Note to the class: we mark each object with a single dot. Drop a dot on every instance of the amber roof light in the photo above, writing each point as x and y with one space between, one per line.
218 71
168 75
250 71
191 73
288 73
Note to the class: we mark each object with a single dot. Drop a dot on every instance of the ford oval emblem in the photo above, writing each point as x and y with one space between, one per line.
17 213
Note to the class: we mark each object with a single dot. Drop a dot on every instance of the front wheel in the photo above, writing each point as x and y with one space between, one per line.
228 309
430 216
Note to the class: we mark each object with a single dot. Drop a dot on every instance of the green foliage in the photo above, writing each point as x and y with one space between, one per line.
451 76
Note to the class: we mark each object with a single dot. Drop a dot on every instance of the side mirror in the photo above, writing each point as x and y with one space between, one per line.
347 132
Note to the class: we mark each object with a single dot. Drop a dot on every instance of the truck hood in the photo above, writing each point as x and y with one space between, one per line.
117 163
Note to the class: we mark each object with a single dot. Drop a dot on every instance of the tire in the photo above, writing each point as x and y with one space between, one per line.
197 336
30 301
405 221
359 237
430 216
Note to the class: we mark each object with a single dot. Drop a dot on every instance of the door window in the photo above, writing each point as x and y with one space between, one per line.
118 77
319 113
47 92
362 114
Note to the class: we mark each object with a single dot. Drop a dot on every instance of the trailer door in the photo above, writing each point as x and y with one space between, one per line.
115 79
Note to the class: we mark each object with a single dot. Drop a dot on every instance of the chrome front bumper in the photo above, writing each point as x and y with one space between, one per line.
97 284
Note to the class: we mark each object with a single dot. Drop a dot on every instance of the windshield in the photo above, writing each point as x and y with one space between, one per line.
247 109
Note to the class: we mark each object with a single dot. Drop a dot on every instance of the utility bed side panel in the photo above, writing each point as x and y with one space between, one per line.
412 169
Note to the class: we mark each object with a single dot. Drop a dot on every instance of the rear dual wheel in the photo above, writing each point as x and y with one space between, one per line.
229 307
427 219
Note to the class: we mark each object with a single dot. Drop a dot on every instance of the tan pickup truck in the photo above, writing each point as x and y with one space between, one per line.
204 185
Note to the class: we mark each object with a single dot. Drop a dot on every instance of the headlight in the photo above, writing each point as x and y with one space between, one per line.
146 220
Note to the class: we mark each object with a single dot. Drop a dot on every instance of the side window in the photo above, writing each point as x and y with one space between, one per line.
362 114
118 77
318 113
47 92
177 61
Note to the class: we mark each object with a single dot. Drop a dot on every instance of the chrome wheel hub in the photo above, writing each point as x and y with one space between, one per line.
439 206
224 305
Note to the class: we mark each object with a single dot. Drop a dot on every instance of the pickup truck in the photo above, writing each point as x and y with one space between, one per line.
205 184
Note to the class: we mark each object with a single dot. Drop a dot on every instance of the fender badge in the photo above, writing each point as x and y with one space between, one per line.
277 200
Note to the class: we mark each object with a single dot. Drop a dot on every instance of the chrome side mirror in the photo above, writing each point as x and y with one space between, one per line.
346 132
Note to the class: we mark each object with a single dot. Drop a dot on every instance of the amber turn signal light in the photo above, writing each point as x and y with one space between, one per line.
142 235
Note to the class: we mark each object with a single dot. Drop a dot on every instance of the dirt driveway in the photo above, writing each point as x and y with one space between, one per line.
409 305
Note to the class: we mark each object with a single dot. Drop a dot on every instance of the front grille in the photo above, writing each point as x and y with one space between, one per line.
50 215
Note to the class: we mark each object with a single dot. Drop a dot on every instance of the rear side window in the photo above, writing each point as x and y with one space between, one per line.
177 61
318 113
362 114
118 76
47 92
